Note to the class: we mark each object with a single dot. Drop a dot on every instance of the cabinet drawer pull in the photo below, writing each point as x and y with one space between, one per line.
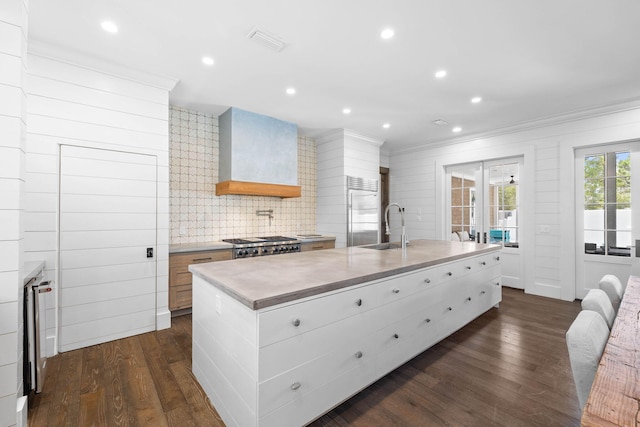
295 386
497 258
296 322
497 283
483 292
449 308
468 298
483 263
358 354
468 267
396 290
202 259
427 280
396 336
358 302
427 320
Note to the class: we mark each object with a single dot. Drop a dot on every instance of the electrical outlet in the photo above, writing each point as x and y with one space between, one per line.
183 230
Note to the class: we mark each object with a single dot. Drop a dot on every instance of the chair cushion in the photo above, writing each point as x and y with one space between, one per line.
598 301
586 339
614 289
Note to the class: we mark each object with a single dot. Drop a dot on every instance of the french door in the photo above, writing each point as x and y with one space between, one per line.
483 202
605 213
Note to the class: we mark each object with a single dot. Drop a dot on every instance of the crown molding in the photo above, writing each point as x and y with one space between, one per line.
574 116
79 59
333 134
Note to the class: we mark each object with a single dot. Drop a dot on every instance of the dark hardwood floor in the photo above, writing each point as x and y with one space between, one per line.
509 367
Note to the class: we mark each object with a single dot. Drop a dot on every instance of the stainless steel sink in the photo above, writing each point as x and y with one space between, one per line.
383 246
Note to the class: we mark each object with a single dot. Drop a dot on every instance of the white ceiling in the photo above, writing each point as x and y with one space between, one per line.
528 60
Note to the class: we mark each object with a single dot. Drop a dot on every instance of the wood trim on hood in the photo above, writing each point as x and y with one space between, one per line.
257 189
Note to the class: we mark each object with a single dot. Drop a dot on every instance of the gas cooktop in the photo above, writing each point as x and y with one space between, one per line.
248 240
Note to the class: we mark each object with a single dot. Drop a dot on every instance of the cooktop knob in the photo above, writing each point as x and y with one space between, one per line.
255 251
239 253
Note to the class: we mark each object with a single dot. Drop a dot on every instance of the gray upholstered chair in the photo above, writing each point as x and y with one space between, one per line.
614 289
598 301
586 339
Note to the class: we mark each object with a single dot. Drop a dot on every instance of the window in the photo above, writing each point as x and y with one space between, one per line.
607 204
503 204
463 203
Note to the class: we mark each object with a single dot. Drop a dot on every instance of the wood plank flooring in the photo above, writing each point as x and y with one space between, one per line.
509 367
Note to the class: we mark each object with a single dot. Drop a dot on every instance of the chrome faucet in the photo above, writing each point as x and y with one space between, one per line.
403 237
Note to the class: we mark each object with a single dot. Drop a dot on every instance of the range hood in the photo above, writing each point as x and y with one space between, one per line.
258 155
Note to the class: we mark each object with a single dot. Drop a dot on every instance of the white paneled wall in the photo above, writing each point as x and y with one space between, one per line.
198 215
342 153
548 199
74 105
13 49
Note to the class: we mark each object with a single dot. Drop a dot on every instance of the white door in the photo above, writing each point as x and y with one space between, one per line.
604 213
483 204
107 246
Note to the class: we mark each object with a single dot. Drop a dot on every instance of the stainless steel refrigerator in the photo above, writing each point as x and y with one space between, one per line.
362 211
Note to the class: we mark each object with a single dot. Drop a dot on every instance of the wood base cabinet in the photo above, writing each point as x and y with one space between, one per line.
290 363
180 281
317 246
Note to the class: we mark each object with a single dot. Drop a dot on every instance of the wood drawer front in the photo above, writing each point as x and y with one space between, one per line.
280 323
180 297
181 262
344 358
316 246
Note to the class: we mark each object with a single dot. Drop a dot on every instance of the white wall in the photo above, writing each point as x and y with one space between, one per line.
548 188
341 153
13 48
82 106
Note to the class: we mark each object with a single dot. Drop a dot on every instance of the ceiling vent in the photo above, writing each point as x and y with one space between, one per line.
269 40
440 122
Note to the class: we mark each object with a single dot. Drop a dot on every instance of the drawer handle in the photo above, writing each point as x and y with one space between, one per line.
358 354
468 267
359 302
202 259
497 283
483 263
396 291
427 280
295 386
396 336
427 320
296 322
449 308
483 292
449 273
468 298
497 258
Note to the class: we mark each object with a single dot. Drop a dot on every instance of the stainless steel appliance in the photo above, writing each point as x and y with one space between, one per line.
362 211
33 360
247 247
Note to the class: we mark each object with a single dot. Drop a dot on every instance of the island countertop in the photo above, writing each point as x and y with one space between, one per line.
269 280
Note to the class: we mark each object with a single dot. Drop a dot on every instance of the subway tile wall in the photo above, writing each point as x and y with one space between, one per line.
198 215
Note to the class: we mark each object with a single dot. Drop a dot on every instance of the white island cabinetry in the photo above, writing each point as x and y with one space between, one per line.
289 363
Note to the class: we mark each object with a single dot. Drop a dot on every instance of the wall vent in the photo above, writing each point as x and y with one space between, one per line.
440 122
266 39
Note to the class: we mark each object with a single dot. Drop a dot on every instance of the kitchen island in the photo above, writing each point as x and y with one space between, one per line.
282 340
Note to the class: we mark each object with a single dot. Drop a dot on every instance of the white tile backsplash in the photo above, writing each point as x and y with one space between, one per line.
201 215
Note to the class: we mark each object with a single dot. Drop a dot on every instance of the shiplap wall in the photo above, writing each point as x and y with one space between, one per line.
75 105
417 182
13 54
340 154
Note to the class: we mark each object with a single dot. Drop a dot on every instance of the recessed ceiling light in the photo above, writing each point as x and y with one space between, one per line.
109 27
386 125
441 73
207 60
476 99
440 122
291 91
346 111
387 33
457 129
